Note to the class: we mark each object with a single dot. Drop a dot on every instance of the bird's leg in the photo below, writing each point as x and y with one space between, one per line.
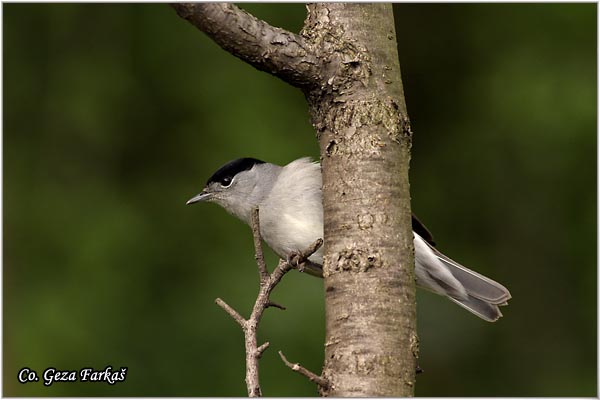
299 259
296 260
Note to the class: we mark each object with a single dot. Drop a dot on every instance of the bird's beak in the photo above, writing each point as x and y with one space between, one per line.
202 196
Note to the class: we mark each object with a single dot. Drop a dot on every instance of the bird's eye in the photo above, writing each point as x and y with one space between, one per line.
226 181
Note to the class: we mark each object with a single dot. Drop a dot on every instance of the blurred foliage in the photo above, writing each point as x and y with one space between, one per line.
115 114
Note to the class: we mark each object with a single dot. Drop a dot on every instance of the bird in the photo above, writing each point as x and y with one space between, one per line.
289 199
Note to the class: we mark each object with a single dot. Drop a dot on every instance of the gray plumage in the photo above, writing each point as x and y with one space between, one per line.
291 218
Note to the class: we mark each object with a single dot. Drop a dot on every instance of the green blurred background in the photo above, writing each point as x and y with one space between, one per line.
115 115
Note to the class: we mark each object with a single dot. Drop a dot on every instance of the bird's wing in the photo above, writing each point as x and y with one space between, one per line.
421 230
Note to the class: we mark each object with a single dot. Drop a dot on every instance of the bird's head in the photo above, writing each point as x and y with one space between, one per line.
237 186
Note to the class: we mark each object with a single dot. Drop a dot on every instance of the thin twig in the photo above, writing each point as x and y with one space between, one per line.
261 349
229 310
275 305
319 380
258 251
299 260
311 250
267 284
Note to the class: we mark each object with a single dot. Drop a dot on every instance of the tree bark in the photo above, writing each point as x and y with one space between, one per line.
364 135
346 62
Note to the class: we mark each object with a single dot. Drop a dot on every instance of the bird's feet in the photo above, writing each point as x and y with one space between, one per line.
295 259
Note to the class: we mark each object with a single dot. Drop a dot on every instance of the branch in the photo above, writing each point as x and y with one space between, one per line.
273 304
267 48
319 380
258 252
263 301
229 310
300 260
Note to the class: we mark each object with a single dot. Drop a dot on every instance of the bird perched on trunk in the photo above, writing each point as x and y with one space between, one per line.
291 218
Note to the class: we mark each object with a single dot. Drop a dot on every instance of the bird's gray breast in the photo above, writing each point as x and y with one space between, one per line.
291 228
292 214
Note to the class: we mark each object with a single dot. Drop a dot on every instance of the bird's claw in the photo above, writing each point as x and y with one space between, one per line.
295 260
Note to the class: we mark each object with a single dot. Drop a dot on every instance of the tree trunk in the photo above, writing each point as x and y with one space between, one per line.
364 135
346 62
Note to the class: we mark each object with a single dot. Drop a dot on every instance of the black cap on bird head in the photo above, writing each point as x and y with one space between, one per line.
225 174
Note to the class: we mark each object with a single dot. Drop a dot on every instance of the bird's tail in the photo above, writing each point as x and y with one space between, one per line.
484 295
483 309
